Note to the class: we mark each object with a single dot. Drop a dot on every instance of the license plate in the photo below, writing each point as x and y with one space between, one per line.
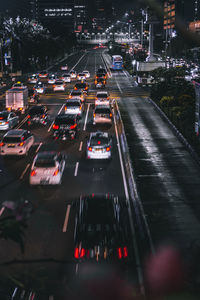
11 145
44 181
98 150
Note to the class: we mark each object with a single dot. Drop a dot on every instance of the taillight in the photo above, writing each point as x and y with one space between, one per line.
2 144
54 86
110 115
94 115
73 126
107 98
28 116
55 126
119 250
6 122
21 144
99 142
76 253
43 116
90 149
80 107
125 252
65 107
108 149
56 172
70 96
33 173
95 82
82 254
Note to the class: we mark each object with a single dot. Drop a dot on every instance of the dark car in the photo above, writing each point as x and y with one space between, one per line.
37 115
100 83
65 127
101 229
83 86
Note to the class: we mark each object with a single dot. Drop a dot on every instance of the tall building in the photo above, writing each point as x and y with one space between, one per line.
103 14
80 16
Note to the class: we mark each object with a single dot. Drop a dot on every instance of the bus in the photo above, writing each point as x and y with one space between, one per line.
117 62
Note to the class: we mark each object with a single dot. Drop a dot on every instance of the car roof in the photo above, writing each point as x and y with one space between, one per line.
102 106
46 155
15 132
99 134
61 116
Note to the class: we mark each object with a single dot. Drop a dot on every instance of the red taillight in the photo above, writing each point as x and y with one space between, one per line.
55 126
43 116
33 173
94 115
80 107
21 144
65 107
73 126
70 96
54 86
6 122
99 142
82 254
56 172
107 98
89 148
119 250
76 253
110 115
28 116
29 122
108 149
75 88
2 144
125 252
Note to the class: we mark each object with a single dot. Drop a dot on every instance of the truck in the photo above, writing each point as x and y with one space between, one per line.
143 70
17 99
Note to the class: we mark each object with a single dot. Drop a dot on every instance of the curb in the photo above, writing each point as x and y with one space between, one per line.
181 138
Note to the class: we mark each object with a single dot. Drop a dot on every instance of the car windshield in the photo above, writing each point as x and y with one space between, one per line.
59 82
64 120
17 85
74 103
45 163
3 115
76 93
99 141
11 139
102 95
102 110
36 110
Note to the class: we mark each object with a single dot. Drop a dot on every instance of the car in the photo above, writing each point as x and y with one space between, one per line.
47 168
8 120
66 77
99 146
73 74
65 127
43 74
102 232
64 67
100 83
40 88
87 73
83 86
19 85
59 85
52 79
33 78
81 76
101 72
74 106
102 114
16 142
102 98
77 94
37 115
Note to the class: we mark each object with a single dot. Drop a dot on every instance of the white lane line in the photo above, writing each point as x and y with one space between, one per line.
38 148
78 62
135 244
76 169
81 145
22 122
24 172
2 210
85 124
119 87
125 73
106 67
76 268
66 218
58 114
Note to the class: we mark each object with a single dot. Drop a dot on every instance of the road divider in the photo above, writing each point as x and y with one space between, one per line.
58 114
24 172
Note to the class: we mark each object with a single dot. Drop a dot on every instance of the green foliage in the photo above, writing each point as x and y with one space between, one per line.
167 101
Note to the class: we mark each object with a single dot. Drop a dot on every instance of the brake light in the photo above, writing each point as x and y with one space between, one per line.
94 115
28 116
43 116
80 107
33 173
95 82
21 144
65 107
119 250
82 254
108 148
55 126
1 118
56 172
75 88
99 142
107 98
73 126
54 86
125 252
110 115
9 108
2 144
90 149
70 96
6 122
76 253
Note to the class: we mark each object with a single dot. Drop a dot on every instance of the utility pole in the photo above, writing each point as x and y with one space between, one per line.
1 50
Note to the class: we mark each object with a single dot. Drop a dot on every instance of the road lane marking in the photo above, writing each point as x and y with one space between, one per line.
24 172
58 114
119 87
66 218
38 148
2 210
78 62
85 124
22 122
81 145
76 268
76 169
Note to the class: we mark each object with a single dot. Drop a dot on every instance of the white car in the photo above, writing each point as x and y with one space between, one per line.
87 73
64 67
66 77
16 142
19 85
47 168
52 79
73 74
102 114
102 98
59 85
77 94
33 78
81 76
39 88
74 107
99 146
8 120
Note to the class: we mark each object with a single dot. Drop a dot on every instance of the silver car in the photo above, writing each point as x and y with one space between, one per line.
102 98
74 107
99 146
102 114
47 168
16 142
8 120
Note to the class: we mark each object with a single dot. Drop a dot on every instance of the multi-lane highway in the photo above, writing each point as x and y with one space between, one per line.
167 177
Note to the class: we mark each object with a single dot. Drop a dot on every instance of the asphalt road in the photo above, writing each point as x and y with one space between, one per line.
167 178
